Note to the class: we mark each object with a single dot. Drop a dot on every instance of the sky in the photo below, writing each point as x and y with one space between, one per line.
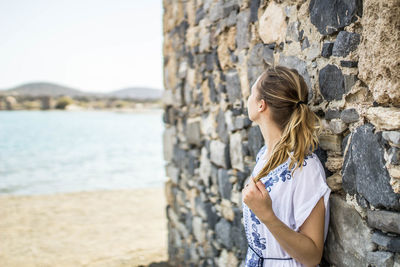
89 45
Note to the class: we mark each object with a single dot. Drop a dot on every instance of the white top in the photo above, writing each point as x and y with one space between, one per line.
293 199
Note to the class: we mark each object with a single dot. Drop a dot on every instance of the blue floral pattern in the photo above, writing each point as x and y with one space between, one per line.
252 224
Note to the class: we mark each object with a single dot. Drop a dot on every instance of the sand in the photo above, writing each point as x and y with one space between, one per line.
102 228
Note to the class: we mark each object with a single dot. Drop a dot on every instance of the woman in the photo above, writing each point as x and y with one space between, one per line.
286 200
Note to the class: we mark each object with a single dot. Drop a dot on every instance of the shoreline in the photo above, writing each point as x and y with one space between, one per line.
90 228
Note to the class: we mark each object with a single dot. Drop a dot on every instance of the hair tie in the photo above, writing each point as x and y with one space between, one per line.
300 102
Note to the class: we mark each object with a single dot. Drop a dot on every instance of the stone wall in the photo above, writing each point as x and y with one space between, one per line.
348 52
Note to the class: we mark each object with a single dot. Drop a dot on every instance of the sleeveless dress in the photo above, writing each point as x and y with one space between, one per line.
293 199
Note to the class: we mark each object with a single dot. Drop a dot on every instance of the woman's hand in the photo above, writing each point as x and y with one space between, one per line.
257 198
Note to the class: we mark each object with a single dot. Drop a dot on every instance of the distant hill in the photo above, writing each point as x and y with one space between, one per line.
137 93
42 89
54 90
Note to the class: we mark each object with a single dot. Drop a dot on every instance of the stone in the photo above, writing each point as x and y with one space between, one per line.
384 220
235 150
242 29
345 43
330 142
394 155
256 140
193 135
301 67
231 21
172 172
349 64
330 16
389 243
327 49
344 247
256 55
364 170
221 127
219 154
332 114
349 81
380 259
223 231
217 11
334 182
254 5
392 136
205 167
168 143
384 118
224 185
227 259
199 15
292 32
337 126
349 115
198 230
240 240
305 44
268 55
205 42
233 86
272 24
331 82
313 52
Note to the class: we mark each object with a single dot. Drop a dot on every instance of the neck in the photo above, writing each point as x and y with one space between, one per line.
271 134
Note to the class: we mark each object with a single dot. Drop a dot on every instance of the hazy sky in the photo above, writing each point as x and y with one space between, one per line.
91 45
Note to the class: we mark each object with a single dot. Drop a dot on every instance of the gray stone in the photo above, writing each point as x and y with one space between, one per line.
219 154
327 49
242 29
313 52
364 170
301 67
394 155
337 126
205 42
256 55
193 134
389 243
345 43
224 185
330 16
168 143
217 11
233 86
384 220
349 63
292 31
349 81
240 240
221 127
332 114
380 259
256 140
305 43
231 21
199 15
349 115
344 247
205 167
235 150
268 55
331 82
230 7
172 172
223 230
254 5
198 230
253 72
392 136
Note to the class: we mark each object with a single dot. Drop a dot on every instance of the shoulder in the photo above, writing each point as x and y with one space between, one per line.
312 169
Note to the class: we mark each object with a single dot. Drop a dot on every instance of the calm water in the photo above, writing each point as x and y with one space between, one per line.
44 152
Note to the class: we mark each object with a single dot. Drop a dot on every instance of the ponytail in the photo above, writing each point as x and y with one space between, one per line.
286 93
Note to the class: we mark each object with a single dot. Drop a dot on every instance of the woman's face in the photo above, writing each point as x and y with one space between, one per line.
252 103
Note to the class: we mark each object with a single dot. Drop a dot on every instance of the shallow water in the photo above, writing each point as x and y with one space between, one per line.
44 152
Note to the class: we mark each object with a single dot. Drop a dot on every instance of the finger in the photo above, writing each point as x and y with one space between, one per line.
261 187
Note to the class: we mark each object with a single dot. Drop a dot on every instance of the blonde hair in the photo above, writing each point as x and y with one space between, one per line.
282 88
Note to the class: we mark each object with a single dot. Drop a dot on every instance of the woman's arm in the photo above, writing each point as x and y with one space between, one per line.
306 246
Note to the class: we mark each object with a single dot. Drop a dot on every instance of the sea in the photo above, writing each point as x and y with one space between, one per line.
49 152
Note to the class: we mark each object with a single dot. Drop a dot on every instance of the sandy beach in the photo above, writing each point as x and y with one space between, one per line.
101 228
